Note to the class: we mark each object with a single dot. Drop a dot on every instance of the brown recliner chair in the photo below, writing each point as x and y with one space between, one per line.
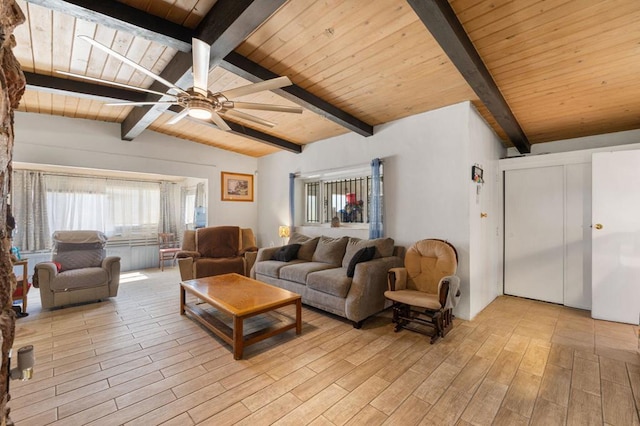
215 250
425 291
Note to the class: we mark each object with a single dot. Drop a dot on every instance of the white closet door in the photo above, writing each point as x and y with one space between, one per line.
534 233
577 284
616 237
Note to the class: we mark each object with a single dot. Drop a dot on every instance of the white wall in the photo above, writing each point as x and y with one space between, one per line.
64 141
485 246
427 179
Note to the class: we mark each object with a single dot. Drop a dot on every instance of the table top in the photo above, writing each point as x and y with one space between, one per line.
237 294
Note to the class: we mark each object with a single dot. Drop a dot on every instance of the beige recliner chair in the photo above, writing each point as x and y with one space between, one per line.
425 291
79 270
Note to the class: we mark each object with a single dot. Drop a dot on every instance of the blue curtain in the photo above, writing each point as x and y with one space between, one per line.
292 205
375 203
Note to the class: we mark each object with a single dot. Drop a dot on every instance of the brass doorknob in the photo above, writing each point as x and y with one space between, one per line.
598 226
483 215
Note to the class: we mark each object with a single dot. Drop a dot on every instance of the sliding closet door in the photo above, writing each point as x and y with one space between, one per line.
534 239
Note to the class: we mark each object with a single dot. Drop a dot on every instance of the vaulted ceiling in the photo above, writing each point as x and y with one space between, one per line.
537 70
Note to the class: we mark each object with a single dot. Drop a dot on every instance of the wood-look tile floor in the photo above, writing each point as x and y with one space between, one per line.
135 360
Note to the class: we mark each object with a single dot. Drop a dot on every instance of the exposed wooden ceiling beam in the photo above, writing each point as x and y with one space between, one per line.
122 17
248 132
81 89
226 25
442 22
117 15
253 72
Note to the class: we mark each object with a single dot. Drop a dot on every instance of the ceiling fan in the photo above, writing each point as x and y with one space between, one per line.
197 101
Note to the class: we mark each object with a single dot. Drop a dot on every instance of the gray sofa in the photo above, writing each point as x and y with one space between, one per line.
319 273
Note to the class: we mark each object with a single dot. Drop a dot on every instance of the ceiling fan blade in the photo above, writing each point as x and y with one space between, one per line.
218 121
131 63
267 107
274 83
248 117
113 83
140 103
179 116
201 51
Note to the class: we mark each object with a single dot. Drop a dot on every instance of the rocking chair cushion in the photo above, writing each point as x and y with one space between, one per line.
414 298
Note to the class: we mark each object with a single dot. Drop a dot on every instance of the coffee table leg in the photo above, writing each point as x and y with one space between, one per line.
299 316
182 300
238 339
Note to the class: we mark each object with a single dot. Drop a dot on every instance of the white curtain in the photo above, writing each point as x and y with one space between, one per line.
29 207
116 207
169 208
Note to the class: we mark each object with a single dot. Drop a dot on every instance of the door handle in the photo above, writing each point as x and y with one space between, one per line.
597 226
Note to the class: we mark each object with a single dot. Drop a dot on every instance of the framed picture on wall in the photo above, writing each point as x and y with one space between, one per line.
236 186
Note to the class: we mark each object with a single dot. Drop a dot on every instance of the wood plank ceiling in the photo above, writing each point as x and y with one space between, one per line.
566 68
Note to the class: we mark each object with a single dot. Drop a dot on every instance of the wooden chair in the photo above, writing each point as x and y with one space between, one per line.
425 291
168 248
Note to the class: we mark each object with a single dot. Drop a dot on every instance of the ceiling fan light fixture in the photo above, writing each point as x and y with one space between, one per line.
200 113
200 108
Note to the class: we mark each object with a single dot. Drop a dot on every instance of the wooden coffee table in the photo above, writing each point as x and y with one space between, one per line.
240 298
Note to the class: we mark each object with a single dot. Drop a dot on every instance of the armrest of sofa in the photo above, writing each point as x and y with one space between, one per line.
44 273
249 260
266 253
366 295
112 265
185 265
187 253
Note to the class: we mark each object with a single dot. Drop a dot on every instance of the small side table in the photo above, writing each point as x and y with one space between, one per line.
23 283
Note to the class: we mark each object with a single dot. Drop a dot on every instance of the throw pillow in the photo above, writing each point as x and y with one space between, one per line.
383 246
307 245
363 255
330 250
286 253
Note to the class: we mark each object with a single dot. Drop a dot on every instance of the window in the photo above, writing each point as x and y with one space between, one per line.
189 206
116 207
344 198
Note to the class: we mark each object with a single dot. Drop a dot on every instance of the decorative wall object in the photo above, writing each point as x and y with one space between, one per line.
236 186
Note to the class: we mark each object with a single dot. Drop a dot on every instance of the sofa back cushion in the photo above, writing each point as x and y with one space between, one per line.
218 241
330 250
384 248
78 256
307 245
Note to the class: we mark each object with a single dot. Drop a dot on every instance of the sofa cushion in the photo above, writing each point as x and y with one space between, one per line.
218 241
307 245
79 278
271 268
384 248
331 281
208 266
365 254
286 253
298 271
330 250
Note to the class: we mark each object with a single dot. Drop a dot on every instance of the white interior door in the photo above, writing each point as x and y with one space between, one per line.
534 233
616 236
